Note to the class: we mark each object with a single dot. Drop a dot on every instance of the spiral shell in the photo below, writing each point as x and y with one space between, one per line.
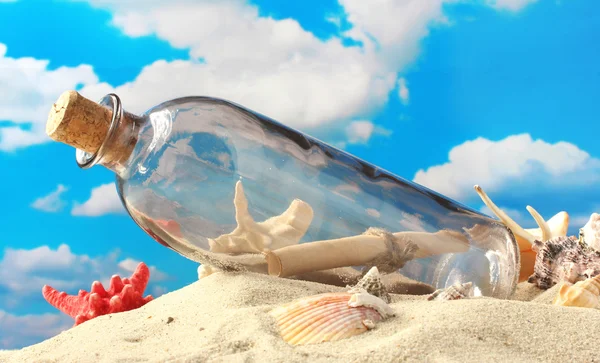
371 283
582 294
329 317
454 292
563 259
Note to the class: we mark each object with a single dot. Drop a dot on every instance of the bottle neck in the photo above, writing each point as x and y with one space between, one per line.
119 142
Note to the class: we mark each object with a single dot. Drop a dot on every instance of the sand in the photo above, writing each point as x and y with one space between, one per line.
224 318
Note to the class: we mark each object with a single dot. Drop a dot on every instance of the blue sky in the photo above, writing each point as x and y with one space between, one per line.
449 94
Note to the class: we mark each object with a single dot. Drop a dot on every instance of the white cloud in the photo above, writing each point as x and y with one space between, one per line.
19 331
511 5
359 132
51 202
299 93
103 200
373 212
14 137
348 191
403 92
273 66
28 91
130 264
40 258
412 222
334 19
517 158
392 29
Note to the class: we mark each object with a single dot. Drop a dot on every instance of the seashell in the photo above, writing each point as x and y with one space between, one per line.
581 294
371 283
454 292
329 317
590 233
563 259
556 226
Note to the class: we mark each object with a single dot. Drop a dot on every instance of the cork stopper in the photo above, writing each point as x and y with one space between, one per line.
78 122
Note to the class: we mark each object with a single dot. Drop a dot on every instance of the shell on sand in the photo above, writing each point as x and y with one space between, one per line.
371 282
581 294
329 317
563 259
454 292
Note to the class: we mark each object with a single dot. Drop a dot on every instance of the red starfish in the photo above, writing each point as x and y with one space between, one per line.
123 295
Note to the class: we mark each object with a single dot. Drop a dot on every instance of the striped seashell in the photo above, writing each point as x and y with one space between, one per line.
329 317
454 292
584 294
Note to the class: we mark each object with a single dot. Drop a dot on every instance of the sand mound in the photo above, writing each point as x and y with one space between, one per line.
224 318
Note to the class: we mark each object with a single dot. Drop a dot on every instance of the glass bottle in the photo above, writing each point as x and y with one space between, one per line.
234 190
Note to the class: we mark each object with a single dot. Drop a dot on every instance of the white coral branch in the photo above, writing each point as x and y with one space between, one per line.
276 232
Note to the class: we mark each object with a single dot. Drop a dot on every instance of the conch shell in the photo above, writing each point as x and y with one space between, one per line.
329 317
556 226
581 294
563 259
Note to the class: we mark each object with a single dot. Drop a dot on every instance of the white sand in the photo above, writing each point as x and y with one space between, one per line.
223 318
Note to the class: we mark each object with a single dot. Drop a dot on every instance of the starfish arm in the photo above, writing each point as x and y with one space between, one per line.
97 288
116 285
117 304
140 277
68 304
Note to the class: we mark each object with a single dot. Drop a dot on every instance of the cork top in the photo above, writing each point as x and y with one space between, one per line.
78 122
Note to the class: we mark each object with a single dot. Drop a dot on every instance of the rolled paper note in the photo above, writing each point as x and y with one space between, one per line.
438 243
362 250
